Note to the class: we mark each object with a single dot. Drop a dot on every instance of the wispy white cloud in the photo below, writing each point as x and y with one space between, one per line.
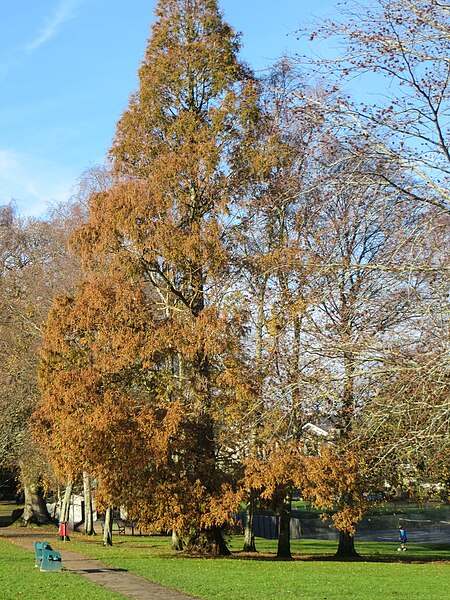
14 57
64 11
32 182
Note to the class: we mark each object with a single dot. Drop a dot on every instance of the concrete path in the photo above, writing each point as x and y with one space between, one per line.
117 580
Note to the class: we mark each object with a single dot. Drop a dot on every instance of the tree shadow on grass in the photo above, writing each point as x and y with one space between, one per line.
103 570
372 558
6 520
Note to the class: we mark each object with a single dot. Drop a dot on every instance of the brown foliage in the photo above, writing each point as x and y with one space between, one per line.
340 481
144 364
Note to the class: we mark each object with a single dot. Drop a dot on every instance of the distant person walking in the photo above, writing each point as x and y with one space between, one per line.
402 538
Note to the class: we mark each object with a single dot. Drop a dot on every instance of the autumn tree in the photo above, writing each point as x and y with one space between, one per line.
343 480
399 51
361 295
34 266
270 274
335 289
316 241
411 403
91 379
162 225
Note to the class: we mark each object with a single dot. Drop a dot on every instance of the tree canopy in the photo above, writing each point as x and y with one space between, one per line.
264 299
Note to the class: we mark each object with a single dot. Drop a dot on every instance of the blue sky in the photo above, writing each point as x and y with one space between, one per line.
67 68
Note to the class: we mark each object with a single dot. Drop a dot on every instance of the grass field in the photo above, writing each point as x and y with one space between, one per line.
19 579
382 573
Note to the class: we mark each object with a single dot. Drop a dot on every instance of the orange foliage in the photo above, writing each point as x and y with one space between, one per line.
341 481
280 470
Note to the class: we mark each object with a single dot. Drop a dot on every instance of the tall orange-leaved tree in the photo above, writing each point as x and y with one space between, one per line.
164 224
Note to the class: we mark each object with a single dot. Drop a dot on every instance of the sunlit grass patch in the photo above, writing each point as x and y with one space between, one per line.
19 578
422 572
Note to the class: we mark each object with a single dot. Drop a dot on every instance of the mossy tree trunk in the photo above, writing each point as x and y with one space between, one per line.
209 541
35 510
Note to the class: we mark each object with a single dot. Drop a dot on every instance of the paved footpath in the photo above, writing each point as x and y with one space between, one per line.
117 580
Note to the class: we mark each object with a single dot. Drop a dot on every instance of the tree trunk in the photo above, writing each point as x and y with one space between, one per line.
284 528
346 548
249 533
204 448
348 398
107 529
65 506
35 510
177 542
219 547
209 541
88 514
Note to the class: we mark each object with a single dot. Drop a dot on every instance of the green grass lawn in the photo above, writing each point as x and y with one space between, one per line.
423 572
19 579
382 573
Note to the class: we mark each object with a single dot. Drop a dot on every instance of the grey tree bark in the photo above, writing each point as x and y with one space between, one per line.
177 542
65 506
35 510
107 530
88 508
249 532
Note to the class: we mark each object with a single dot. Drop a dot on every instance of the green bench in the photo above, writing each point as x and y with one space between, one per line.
47 558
